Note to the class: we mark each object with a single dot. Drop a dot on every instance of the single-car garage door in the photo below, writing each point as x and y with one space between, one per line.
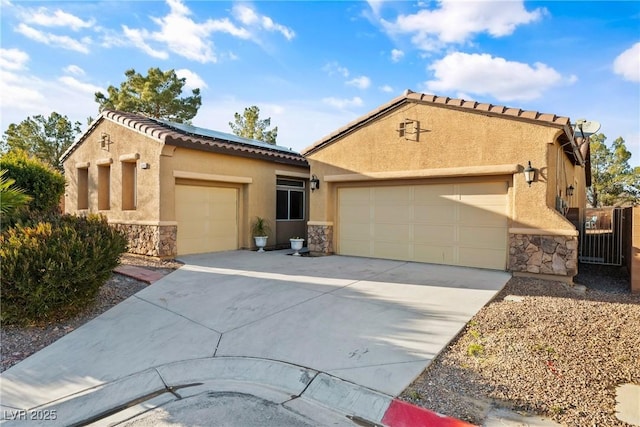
456 224
207 219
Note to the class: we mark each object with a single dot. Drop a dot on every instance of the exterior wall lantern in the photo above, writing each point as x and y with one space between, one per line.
570 190
314 183
529 174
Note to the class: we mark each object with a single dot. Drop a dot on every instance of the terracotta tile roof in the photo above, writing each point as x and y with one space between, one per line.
193 137
445 102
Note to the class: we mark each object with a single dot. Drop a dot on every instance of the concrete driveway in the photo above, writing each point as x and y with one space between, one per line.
342 331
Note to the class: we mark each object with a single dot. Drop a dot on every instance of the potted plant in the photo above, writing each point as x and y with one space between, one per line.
260 230
296 244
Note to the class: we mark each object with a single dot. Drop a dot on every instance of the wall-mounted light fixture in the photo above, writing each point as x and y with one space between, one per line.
570 190
314 183
529 174
144 165
105 140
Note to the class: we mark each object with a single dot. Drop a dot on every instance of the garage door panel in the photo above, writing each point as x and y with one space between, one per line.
458 224
392 232
356 213
355 247
391 250
393 214
356 194
434 214
391 195
437 234
207 219
433 254
482 237
486 258
356 231
482 215
433 195
483 189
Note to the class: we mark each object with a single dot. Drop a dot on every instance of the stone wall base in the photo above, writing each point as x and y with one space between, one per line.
545 255
151 240
320 239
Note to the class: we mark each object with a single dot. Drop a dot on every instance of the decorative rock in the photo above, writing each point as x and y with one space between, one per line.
320 238
558 265
150 240
549 245
555 255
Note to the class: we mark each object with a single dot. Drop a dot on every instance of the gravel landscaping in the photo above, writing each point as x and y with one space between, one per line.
541 348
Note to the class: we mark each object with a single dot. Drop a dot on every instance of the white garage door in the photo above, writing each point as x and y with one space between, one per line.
207 219
455 224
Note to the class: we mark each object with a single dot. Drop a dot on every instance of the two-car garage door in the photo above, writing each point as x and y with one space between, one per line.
457 224
207 219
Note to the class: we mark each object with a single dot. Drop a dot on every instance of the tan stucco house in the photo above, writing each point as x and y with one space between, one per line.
178 189
440 180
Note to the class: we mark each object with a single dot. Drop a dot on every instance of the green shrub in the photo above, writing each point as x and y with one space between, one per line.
39 180
54 269
12 198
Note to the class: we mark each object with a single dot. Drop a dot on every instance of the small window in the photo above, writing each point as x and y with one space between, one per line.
129 184
83 188
104 190
290 200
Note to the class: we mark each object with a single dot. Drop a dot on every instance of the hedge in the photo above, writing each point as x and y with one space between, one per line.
54 268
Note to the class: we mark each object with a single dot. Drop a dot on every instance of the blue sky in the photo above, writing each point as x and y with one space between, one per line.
314 66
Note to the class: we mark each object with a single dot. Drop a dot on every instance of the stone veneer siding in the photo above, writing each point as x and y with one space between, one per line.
151 240
320 239
556 255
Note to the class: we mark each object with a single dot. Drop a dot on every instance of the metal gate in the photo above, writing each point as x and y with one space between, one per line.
601 236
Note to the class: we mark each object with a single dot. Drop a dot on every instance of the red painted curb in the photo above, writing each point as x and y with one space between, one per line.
404 414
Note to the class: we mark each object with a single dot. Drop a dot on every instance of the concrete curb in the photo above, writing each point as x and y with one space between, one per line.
297 388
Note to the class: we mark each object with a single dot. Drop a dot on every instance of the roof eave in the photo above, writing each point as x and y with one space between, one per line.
238 150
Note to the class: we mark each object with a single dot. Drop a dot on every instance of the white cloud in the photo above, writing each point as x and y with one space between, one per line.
343 103
396 55
181 35
333 68
375 5
248 16
64 42
43 17
13 59
627 64
483 74
456 22
386 89
74 69
192 80
77 85
361 82
137 38
19 94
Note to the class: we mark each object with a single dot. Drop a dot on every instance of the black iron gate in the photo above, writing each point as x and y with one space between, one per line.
601 236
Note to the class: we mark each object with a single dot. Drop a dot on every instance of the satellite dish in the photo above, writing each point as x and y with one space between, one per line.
586 128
